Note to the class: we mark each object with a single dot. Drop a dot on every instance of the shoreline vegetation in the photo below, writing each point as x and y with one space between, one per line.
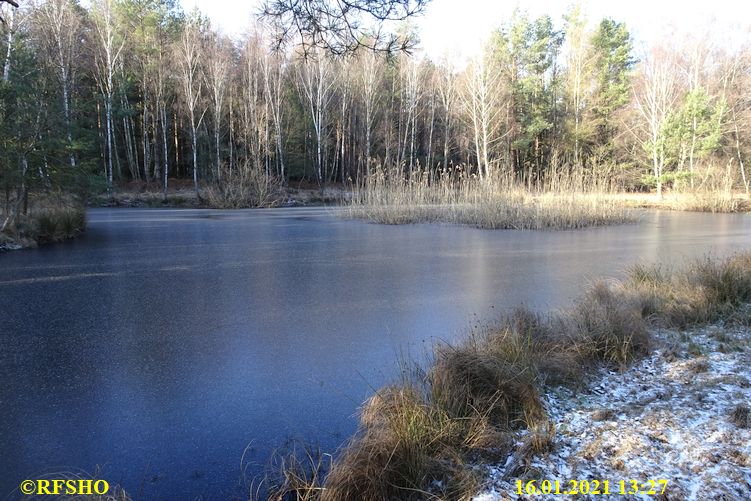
46 219
566 199
384 197
480 401
335 195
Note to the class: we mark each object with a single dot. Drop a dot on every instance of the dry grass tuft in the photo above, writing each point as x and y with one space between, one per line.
299 474
741 416
705 290
55 225
50 218
606 328
698 365
541 438
407 449
603 415
491 380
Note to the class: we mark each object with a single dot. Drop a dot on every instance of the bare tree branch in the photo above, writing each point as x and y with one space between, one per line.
12 2
340 26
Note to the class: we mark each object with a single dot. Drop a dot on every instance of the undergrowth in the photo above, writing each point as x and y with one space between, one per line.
49 218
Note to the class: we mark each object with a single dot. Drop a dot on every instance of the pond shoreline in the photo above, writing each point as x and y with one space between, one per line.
338 196
493 396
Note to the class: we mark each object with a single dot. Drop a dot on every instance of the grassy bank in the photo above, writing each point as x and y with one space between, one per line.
699 201
480 399
451 197
227 196
48 219
569 200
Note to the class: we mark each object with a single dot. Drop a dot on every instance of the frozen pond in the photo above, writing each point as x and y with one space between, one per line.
163 342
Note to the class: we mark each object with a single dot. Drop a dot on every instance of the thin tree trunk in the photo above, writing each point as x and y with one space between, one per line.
66 114
738 153
231 135
108 126
194 140
130 138
218 155
177 142
165 167
430 134
146 142
9 51
446 141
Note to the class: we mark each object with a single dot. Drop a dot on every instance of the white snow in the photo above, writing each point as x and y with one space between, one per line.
665 417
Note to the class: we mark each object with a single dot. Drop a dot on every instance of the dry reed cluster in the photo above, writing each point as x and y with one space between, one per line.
564 201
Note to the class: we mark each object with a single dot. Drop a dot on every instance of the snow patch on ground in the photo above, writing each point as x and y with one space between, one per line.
666 417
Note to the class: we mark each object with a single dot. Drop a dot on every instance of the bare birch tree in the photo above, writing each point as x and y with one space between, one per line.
59 25
735 68
481 98
412 88
160 87
219 61
446 87
189 55
316 79
655 94
370 76
254 103
273 83
9 41
109 47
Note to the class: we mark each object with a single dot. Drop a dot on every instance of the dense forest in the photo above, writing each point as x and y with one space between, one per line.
122 90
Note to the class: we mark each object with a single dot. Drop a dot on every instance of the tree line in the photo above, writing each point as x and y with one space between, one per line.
124 90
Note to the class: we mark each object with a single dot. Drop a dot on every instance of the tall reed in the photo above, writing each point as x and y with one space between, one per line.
563 200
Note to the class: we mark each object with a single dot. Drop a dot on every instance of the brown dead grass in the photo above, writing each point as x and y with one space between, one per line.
741 416
704 291
715 201
407 449
388 197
